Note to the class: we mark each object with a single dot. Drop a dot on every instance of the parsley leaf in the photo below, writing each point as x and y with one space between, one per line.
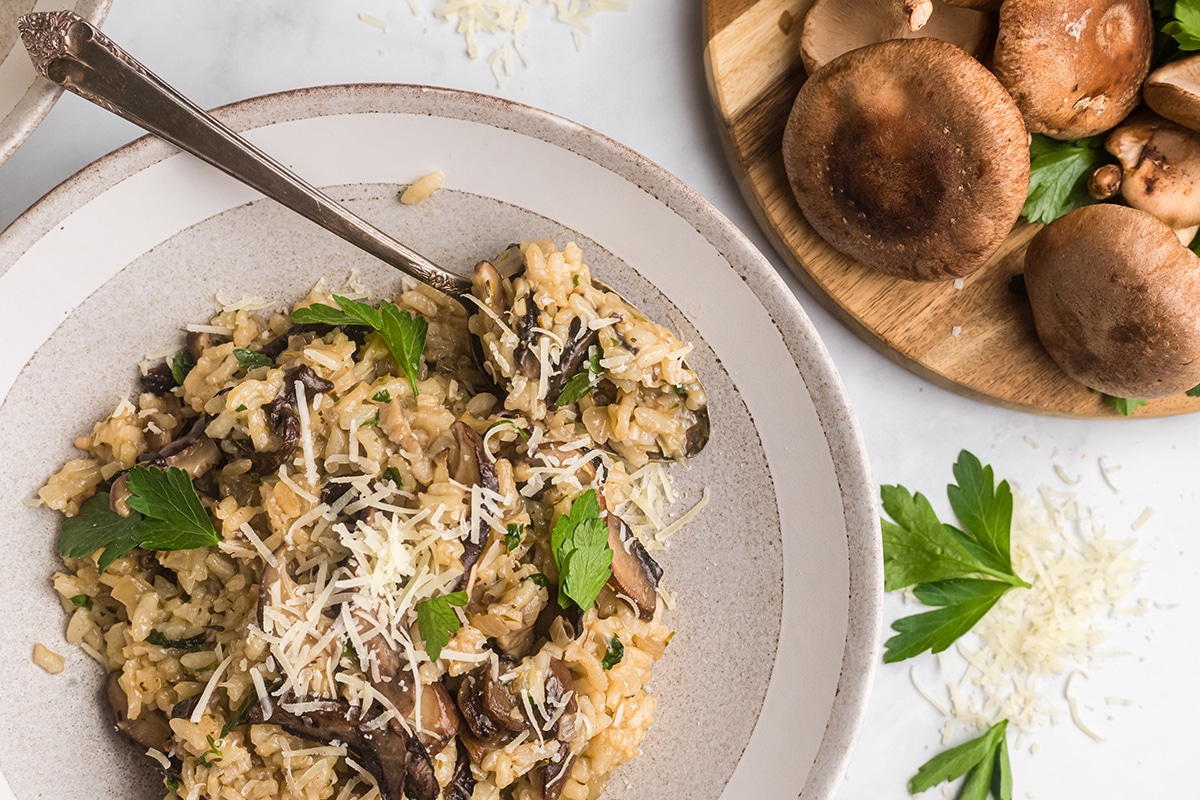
98 527
514 535
1194 391
189 643
613 653
1126 406
437 621
392 474
250 360
174 517
82 601
963 602
538 578
181 365
984 508
581 382
1059 174
403 333
985 758
520 431
942 561
1186 27
579 542
382 396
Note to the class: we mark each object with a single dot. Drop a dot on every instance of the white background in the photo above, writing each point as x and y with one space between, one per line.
639 79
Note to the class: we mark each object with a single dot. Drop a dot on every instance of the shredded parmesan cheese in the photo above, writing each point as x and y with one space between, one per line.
209 688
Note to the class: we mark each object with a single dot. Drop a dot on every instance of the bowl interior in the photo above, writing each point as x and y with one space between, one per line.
770 604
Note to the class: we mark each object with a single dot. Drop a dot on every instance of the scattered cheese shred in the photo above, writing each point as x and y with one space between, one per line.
373 21
209 688
422 188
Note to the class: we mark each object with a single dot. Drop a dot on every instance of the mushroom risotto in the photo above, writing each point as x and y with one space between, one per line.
386 551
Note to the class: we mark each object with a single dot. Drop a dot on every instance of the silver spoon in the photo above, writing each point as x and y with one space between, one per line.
71 52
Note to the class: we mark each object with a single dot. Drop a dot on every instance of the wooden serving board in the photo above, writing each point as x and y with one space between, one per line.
752 58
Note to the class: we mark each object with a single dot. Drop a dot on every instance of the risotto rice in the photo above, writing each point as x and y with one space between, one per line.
296 657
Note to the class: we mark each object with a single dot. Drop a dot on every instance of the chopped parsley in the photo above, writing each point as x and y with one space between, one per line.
213 753
520 431
249 360
181 365
166 514
514 535
437 621
941 561
241 407
392 474
579 542
613 654
191 644
382 396
82 601
403 334
243 709
1194 391
538 578
371 421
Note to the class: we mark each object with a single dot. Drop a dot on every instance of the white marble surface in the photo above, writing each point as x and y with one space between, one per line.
640 79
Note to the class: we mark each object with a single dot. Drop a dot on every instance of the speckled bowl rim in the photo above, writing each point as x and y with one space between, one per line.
839 426
35 104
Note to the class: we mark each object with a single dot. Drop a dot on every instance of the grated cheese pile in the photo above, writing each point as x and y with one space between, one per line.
492 29
1035 637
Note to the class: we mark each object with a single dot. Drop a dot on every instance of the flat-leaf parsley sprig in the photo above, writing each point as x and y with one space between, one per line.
403 333
166 515
983 760
963 572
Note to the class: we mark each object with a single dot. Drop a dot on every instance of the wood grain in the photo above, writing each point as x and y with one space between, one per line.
978 340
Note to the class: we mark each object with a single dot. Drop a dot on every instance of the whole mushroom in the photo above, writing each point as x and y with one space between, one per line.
1173 90
1074 67
1114 294
1160 166
834 27
909 156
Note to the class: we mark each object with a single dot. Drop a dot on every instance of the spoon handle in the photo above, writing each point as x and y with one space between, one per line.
72 53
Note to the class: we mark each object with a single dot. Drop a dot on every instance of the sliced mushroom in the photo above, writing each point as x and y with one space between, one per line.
834 27
439 717
462 782
1160 160
284 421
384 752
1074 67
552 776
419 781
158 380
197 343
910 157
500 704
472 466
560 700
635 575
150 730
118 496
1114 294
1173 90
525 353
572 358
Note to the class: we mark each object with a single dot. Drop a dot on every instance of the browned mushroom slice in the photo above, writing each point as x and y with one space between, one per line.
462 782
158 380
118 496
552 777
150 730
194 434
491 715
439 721
384 752
635 575
275 579
525 353
471 466
572 358
284 421
420 782
560 701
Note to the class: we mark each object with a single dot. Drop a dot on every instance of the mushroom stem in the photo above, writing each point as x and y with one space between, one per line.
1105 182
917 13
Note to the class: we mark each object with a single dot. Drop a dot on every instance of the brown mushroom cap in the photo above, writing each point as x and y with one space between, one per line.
1075 67
981 5
834 27
1173 90
1160 163
1114 300
910 157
